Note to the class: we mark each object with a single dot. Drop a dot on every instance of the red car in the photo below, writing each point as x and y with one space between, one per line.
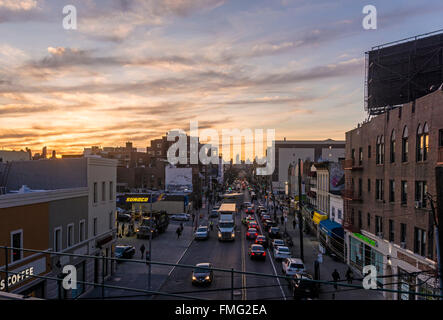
249 210
257 251
262 241
252 233
253 224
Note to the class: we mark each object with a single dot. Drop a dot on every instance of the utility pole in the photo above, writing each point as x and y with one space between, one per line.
150 243
437 221
300 219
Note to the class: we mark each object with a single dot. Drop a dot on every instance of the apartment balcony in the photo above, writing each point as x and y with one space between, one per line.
351 195
352 164
440 155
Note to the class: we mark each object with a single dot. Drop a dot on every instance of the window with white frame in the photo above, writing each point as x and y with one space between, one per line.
58 239
70 235
103 191
95 226
82 231
17 244
111 190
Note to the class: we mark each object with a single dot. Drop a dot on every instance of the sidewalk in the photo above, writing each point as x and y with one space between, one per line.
311 251
165 248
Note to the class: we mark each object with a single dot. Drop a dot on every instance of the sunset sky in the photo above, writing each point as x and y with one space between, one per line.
135 69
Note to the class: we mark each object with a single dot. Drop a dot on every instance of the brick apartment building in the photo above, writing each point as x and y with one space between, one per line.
389 167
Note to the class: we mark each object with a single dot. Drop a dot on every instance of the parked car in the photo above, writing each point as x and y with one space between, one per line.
277 242
202 274
292 266
180 217
265 217
202 233
281 252
262 241
124 252
303 290
274 233
252 233
256 251
268 223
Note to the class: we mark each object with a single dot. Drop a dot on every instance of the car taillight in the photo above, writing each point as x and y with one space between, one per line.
256 234
264 253
252 253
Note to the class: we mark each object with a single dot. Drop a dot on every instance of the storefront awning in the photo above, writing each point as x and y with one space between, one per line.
319 217
332 228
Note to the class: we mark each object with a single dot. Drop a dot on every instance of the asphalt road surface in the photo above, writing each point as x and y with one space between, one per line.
228 255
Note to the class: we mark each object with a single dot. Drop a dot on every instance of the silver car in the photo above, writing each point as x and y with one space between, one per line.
202 233
180 217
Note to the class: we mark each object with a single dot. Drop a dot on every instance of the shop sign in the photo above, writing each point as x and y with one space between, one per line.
137 199
366 239
20 274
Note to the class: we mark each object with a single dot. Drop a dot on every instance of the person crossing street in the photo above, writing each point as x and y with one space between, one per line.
142 250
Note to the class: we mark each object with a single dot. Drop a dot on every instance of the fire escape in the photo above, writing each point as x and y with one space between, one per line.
350 196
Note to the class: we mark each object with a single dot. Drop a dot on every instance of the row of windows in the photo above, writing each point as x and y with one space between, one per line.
422 240
421 190
17 237
422 146
111 191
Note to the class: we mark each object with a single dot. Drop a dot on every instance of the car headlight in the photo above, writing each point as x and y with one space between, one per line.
137 230
194 278
219 234
207 278
233 234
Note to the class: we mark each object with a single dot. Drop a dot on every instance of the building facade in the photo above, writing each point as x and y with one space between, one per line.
389 169
287 152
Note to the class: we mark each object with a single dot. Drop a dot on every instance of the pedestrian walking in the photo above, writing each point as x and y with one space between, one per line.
181 226
123 230
336 277
211 225
142 250
294 224
349 275
282 219
179 232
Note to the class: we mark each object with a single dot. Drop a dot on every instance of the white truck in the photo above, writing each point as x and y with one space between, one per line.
226 222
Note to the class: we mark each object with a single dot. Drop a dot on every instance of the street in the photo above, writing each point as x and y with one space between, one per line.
227 255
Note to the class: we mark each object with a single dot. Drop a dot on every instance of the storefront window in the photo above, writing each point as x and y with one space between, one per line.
362 255
406 283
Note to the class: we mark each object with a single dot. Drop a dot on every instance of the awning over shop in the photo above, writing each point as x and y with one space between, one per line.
319 217
332 228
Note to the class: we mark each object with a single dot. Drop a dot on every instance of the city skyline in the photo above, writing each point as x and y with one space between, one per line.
134 70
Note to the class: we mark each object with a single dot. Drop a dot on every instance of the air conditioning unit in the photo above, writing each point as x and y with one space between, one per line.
418 204
403 245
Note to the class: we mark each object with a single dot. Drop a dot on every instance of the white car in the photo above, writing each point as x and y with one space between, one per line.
180 217
292 266
201 233
277 242
281 252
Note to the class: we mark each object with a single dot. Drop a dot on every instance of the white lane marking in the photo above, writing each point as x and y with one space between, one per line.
181 257
269 255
